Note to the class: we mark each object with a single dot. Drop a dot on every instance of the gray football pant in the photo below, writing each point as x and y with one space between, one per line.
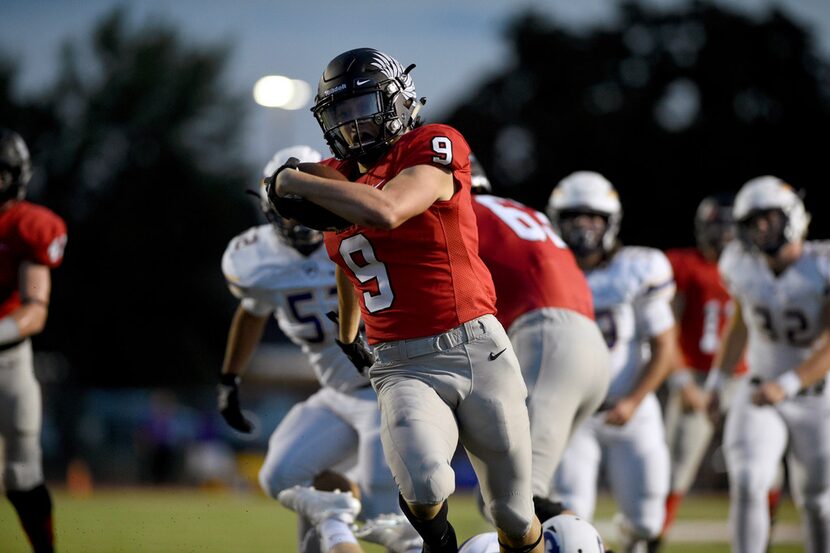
20 419
755 440
566 368
470 391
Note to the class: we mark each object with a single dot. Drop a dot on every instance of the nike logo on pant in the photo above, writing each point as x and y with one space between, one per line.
494 356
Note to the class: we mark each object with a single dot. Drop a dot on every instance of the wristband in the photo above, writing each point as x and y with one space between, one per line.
679 379
714 380
9 331
790 382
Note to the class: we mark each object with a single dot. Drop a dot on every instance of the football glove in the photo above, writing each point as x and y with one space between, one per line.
300 209
271 182
357 351
227 396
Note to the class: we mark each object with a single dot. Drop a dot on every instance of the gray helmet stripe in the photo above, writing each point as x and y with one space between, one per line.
390 67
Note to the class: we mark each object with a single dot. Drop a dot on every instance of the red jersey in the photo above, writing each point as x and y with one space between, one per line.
707 308
28 232
424 277
531 266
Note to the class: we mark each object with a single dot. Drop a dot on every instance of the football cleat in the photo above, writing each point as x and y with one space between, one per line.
391 531
318 506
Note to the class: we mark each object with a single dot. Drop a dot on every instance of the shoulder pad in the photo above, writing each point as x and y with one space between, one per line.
649 270
256 259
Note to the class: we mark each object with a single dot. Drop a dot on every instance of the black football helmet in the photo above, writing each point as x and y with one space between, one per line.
365 101
714 225
15 166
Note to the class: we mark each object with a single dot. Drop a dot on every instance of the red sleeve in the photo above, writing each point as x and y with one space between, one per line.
44 235
679 267
439 145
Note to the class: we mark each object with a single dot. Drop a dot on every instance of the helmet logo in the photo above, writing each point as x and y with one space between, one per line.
337 88
361 82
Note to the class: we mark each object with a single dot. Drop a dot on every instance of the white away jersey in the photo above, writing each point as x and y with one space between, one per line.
783 313
270 276
632 303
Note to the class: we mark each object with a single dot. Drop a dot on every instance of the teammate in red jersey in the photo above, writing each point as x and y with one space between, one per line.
702 307
546 305
427 300
32 240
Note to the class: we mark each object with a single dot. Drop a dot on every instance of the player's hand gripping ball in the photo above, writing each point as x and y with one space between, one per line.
300 209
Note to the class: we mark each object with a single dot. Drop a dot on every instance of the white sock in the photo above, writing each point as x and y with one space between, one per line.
333 532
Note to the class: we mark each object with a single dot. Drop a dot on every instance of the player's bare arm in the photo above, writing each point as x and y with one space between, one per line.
728 356
654 372
692 397
30 318
349 319
243 338
732 347
410 193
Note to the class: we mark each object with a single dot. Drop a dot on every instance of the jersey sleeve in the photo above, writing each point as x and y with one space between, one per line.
44 235
438 145
243 268
653 304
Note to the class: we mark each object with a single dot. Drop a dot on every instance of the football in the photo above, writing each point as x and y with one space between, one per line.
307 212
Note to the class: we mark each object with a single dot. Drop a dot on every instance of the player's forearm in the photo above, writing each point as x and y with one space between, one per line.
349 308
815 367
659 366
358 203
732 349
31 318
243 338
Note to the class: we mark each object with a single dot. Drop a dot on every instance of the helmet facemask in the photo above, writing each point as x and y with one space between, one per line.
714 225
765 230
300 237
586 232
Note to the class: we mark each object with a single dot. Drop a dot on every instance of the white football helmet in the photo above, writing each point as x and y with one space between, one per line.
571 534
299 237
587 192
562 534
767 193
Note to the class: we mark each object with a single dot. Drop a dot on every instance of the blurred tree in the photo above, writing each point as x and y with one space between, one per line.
138 151
669 105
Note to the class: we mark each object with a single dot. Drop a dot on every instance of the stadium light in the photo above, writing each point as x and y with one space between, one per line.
276 91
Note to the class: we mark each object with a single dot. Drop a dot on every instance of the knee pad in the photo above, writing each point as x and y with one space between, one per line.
748 485
434 483
22 476
279 475
512 515
817 502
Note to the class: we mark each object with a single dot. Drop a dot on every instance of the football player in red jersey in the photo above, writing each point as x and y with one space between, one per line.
444 368
32 240
545 303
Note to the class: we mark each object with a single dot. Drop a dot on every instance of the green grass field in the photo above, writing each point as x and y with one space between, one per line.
142 520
